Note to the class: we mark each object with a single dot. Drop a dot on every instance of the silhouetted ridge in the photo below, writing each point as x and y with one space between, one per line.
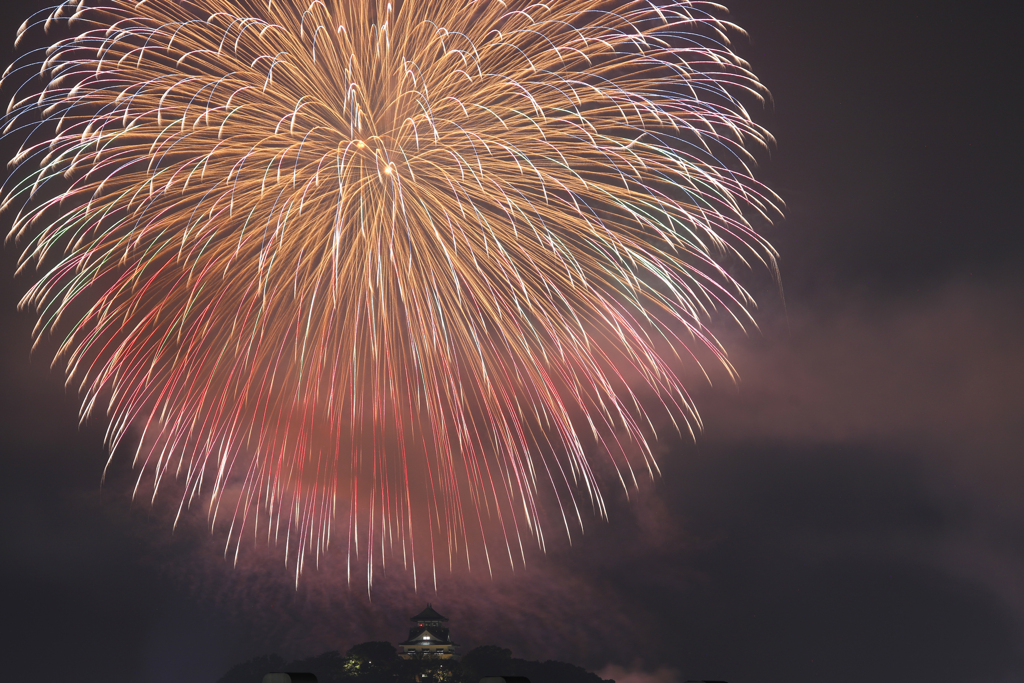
378 662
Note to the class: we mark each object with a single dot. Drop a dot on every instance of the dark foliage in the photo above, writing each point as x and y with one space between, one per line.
378 662
254 670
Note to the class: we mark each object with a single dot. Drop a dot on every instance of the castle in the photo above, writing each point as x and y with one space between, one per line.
428 637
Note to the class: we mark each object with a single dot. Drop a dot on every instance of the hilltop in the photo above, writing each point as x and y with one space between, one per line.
378 662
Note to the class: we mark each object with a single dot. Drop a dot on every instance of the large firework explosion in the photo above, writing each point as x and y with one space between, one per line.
404 270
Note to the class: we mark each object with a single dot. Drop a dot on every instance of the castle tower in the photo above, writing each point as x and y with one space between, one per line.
428 637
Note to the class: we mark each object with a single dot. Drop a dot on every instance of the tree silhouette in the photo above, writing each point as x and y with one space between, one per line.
378 662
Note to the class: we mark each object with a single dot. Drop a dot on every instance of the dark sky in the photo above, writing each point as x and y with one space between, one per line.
853 510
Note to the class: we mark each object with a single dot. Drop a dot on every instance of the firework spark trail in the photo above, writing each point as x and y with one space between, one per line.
418 256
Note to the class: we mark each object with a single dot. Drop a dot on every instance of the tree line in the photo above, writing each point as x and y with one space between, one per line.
378 662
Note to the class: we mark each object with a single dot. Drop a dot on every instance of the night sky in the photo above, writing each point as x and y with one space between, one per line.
852 511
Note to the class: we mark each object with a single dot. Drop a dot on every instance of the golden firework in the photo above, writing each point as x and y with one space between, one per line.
398 268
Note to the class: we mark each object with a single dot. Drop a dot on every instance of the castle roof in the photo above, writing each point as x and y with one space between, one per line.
428 615
427 636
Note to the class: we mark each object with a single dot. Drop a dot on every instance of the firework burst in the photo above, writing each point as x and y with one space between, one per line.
399 269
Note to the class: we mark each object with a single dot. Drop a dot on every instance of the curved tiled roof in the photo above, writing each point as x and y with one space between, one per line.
428 614
416 637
